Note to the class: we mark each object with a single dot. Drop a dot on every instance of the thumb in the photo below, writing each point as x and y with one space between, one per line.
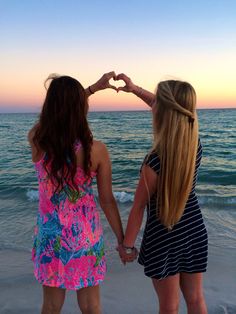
113 87
121 89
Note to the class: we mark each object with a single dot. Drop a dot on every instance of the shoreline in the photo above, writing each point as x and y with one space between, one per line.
125 290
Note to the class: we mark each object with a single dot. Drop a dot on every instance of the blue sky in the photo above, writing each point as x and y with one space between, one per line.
149 40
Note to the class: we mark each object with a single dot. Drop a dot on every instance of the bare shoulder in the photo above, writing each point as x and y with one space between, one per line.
31 133
99 148
36 152
99 155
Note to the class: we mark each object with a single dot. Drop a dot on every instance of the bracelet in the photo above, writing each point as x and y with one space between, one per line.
128 250
128 247
140 91
90 90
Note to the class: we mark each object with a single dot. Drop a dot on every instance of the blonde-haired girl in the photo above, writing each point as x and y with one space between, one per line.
174 248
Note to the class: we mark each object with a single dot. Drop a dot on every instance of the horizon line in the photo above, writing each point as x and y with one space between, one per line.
135 110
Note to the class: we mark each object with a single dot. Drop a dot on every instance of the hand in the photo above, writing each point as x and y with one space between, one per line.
129 85
103 82
126 258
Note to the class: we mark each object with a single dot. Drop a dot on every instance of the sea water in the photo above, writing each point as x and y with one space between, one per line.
128 136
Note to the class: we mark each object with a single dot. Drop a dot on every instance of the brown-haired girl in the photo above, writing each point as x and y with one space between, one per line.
68 252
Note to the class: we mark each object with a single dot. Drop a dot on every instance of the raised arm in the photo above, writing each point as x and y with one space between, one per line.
130 87
101 84
106 198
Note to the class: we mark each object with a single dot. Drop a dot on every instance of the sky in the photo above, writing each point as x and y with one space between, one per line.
149 40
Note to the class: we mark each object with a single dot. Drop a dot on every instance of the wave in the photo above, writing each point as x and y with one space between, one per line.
217 200
5 127
127 197
122 197
32 195
220 177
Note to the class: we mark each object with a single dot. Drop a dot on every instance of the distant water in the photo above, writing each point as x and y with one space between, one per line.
128 136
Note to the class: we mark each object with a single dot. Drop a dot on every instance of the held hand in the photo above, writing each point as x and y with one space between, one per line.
103 82
127 257
129 85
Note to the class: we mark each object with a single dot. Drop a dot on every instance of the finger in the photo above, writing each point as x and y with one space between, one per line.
121 89
117 77
123 77
111 74
113 87
120 76
114 76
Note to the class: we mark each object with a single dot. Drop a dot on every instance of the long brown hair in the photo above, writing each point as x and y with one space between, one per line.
62 122
175 140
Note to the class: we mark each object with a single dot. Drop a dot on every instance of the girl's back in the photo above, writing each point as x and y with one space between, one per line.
68 236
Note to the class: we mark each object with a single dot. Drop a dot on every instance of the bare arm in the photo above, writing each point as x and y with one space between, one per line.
146 188
101 84
130 87
106 198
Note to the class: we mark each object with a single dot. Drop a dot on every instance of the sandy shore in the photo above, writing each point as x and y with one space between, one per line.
125 291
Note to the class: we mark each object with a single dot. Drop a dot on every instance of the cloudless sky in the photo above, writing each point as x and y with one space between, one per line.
149 40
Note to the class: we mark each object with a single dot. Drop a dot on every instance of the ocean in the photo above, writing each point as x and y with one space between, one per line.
128 136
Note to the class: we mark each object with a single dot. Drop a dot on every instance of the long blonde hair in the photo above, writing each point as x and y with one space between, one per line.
175 127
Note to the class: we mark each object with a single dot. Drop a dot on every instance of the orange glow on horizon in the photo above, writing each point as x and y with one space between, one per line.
28 96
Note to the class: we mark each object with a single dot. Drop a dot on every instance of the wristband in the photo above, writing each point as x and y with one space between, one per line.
140 91
128 250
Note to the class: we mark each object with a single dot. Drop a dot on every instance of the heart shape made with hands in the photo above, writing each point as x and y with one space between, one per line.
117 83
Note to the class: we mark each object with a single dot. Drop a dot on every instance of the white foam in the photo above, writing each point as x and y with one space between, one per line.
123 197
32 195
216 200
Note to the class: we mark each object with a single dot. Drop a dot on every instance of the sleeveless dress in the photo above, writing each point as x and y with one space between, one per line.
166 252
68 250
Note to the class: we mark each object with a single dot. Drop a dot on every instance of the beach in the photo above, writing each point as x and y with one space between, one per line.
125 290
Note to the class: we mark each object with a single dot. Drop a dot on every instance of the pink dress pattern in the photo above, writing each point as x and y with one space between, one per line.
68 250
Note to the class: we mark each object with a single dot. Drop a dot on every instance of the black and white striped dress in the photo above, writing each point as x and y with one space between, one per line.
183 249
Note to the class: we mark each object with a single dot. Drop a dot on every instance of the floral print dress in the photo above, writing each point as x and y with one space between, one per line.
68 250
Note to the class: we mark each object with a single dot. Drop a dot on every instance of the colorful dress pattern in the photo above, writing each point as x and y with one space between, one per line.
68 250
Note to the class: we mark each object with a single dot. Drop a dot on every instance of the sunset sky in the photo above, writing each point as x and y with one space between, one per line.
149 40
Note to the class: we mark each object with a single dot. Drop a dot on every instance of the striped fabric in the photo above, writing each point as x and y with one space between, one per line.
183 249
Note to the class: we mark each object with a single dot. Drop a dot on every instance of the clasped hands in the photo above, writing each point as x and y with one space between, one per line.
127 255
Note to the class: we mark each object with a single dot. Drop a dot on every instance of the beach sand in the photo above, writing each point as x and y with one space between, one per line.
125 291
